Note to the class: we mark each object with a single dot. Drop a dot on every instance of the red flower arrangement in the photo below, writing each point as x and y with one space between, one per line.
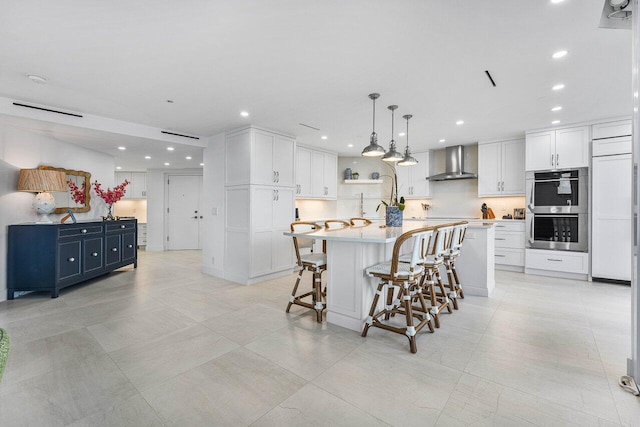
111 196
76 193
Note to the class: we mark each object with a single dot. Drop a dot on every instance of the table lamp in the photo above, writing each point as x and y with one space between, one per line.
42 181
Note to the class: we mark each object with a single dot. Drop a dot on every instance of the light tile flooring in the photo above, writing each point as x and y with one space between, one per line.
165 345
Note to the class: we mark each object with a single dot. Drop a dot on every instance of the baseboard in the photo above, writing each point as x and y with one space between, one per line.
151 248
244 280
212 271
558 274
504 267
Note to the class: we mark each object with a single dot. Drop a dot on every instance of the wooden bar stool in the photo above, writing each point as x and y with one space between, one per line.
359 222
335 223
405 278
316 263
455 287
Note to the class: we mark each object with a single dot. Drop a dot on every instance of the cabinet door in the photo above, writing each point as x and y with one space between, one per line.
420 185
512 168
612 227
262 170
303 172
93 255
317 175
284 160
138 185
262 201
489 169
69 265
539 148
403 174
283 208
119 178
113 249
572 147
261 252
128 246
281 250
330 175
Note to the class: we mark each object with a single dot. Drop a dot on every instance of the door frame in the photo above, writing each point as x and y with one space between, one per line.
166 176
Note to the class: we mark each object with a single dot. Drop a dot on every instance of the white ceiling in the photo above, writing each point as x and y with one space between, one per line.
292 62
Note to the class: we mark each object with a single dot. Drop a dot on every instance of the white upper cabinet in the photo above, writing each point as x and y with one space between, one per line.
303 172
558 149
501 168
316 174
412 180
256 156
611 138
137 188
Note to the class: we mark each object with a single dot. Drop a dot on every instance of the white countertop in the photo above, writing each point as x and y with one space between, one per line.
375 233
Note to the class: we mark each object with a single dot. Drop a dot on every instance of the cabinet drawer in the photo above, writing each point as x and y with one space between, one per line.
120 226
510 257
611 129
611 146
574 262
514 240
79 231
509 226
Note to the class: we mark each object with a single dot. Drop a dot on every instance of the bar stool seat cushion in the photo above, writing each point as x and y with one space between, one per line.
384 269
316 260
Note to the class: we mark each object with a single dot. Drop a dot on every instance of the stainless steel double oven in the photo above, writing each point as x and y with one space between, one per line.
557 210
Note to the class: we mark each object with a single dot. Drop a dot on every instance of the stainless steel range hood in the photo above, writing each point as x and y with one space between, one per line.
454 166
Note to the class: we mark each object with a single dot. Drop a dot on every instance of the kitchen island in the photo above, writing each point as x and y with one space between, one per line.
350 250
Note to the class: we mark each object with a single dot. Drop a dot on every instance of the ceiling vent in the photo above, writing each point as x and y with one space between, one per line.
616 14
49 110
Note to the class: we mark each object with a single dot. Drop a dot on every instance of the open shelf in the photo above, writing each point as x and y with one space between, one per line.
363 181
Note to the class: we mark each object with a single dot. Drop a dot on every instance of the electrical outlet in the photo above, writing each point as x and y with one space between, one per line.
214 211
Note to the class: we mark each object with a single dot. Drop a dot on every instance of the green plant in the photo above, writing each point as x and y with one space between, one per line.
393 199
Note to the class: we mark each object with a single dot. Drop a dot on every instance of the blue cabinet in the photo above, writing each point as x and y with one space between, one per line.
49 257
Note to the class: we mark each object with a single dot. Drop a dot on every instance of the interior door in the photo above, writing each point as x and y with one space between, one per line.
183 214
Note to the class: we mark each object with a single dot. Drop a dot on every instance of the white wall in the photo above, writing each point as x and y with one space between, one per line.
22 149
213 226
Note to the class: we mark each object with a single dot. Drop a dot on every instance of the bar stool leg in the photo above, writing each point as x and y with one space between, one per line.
452 284
435 310
372 311
458 284
444 293
317 296
295 289
411 330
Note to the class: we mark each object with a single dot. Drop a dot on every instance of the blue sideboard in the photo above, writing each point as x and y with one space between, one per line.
49 257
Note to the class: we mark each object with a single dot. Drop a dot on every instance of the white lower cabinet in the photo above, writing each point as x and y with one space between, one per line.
142 234
509 252
254 243
557 261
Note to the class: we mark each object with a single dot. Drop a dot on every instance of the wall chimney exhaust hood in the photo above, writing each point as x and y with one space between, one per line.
454 166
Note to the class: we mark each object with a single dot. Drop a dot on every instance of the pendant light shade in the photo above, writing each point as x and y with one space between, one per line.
373 149
408 159
392 155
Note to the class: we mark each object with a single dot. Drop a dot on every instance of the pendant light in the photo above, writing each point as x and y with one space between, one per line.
392 155
373 149
408 159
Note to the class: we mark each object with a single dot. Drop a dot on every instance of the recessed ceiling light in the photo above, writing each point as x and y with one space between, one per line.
401 134
559 54
460 122
244 113
324 137
188 157
166 163
557 1
147 157
118 167
122 148
558 108
170 148
442 140
349 145
201 164
37 79
555 122
558 86
354 162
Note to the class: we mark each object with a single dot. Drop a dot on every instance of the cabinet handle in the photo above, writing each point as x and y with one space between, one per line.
500 256
502 186
129 246
277 176
500 226
277 195
114 249
273 176
123 226
83 231
498 185
94 254
554 259
500 238
557 159
72 259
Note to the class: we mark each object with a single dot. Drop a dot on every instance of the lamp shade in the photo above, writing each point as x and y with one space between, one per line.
39 180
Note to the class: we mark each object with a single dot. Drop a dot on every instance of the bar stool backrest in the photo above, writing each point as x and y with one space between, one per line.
335 223
421 237
459 230
359 222
441 244
301 227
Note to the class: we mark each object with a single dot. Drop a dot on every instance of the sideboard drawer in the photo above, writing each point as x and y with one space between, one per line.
113 226
79 231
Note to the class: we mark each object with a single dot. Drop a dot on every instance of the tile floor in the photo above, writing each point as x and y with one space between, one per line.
164 345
